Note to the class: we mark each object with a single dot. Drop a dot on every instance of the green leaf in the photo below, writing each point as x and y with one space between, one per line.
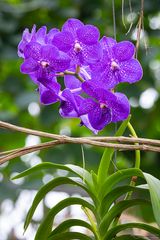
108 153
113 231
111 197
116 178
47 188
154 189
130 237
70 223
80 172
45 227
116 210
68 236
94 178
48 165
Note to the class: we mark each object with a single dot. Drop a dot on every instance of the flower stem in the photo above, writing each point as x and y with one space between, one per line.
134 178
74 74
137 161
137 152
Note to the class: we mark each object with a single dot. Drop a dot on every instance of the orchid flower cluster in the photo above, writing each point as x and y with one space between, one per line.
91 68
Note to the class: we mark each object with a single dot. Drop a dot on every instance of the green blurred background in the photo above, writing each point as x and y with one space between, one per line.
19 101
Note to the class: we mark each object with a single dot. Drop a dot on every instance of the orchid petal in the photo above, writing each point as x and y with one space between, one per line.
88 34
29 66
124 50
121 108
130 71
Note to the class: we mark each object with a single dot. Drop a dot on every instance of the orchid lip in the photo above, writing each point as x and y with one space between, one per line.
103 105
77 47
44 64
114 65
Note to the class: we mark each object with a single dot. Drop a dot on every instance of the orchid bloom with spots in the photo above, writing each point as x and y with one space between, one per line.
91 68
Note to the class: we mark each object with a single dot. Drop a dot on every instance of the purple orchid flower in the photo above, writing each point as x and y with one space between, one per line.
40 36
105 106
43 59
79 41
118 63
102 65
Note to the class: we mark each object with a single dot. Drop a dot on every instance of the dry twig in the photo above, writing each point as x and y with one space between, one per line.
124 143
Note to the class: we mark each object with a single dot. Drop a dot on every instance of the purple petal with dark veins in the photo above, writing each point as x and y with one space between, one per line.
130 71
21 47
109 78
47 96
105 96
99 118
89 88
123 50
85 121
88 34
49 53
41 34
33 50
67 111
26 38
92 54
101 65
71 25
33 31
69 96
33 77
97 89
76 58
50 84
49 37
107 44
71 82
29 66
68 106
61 62
86 106
79 100
121 108
64 41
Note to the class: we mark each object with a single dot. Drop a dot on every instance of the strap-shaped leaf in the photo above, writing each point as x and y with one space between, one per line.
130 237
70 223
116 211
47 188
68 236
108 153
113 231
154 189
48 165
80 172
153 186
45 227
111 197
116 178
84 174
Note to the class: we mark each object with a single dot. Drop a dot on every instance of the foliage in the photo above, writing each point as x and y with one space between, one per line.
16 91
103 209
